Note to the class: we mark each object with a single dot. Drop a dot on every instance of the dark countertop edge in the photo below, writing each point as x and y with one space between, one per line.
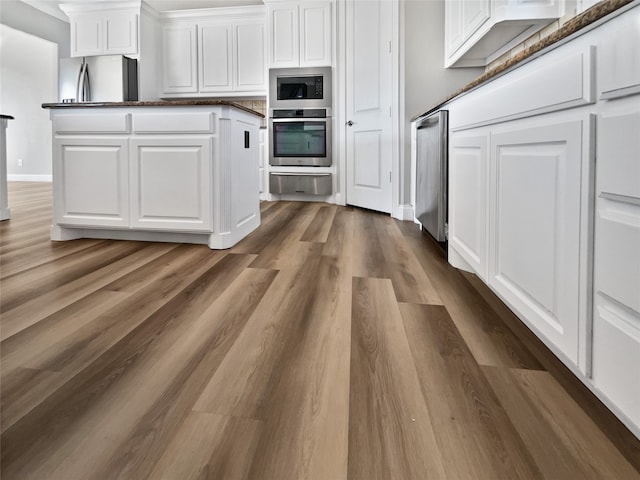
7 117
153 103
574 26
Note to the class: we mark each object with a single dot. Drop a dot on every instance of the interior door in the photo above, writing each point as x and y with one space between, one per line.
368 100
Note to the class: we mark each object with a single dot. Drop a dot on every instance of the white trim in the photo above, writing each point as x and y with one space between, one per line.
29 178
216 13
405 212
397 168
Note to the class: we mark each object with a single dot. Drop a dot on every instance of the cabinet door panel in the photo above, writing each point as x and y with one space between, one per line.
215 56
171 184
92 186
179 59
284 33
86 35
474 14
120 33
468 164
535 228
250 58
315 34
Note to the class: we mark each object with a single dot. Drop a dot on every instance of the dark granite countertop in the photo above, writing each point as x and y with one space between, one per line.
6 117
583 20
154 103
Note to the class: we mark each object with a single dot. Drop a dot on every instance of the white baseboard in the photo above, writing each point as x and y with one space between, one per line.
405 212
29 178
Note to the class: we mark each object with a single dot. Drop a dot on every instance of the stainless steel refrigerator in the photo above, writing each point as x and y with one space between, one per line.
108 78
432 173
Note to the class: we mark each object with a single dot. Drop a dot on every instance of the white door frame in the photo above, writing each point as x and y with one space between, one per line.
340 110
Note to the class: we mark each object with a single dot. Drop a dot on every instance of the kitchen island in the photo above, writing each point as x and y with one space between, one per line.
170 171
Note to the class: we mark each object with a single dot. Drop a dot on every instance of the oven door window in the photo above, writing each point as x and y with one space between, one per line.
300 139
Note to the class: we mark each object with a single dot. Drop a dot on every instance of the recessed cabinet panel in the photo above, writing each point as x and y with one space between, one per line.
86 35
121 33
250 58
616 356
619 145
315 42
215 55
92 182
619 59
285 46
170 184
179 59
468 198
535 227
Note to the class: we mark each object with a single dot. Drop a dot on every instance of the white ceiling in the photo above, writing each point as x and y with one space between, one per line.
51 6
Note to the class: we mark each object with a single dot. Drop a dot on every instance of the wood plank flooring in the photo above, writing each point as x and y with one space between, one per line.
332 343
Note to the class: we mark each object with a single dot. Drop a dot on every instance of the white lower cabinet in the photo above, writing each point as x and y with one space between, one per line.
468 164
171 183
176 174
616 323
563 230
534 226
92 179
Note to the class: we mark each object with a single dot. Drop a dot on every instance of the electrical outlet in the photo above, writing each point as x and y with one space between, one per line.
19 162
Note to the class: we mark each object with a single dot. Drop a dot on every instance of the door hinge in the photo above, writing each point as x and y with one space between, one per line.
389 177
389 46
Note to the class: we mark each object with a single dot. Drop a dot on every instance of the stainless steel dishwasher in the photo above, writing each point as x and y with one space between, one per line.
431 173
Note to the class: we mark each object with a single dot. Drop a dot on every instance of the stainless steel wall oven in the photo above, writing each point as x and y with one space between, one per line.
300 117
300 137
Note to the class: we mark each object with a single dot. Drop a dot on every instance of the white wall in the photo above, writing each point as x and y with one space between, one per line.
28 78
23 17
426 81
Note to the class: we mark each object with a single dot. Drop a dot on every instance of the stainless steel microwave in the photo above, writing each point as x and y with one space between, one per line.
296 88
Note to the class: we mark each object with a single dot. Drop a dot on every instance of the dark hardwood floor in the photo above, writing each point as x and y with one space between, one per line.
332 343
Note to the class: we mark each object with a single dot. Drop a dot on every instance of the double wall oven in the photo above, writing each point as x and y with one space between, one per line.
300 129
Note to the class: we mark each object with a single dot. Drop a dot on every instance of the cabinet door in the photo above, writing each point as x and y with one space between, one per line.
454 36
179 59
250 57
120 33
535 227
468 165
474 14
315 34
616 276
215 57
92 181
86 35
284 34
171 183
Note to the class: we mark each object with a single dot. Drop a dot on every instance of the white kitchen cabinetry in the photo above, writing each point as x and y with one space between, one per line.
468 165
171 183
214 53
92 181
299 33
179 59
563 230
103 31
534 226
616 323
179 174
479 31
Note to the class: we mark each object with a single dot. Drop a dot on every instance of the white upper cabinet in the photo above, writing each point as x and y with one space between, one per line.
221 51
479 31
103 31
179 58
299 33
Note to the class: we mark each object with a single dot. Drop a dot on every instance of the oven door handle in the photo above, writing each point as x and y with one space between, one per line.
291 120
